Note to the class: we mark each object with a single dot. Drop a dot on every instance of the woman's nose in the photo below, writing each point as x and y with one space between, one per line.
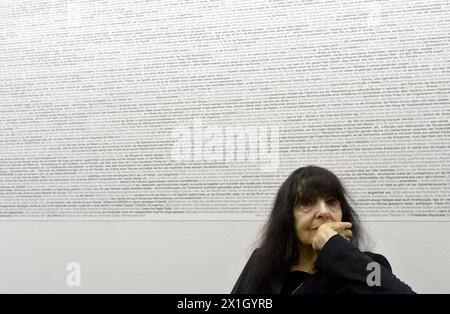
322 210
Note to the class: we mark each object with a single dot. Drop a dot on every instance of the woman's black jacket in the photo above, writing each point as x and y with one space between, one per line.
341 268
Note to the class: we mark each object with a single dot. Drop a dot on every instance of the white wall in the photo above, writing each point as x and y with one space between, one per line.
184 256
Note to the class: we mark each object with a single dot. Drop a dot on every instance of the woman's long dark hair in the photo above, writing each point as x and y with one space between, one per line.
278 248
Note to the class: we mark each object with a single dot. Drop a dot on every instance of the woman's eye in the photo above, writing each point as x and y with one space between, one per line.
306 203
333 201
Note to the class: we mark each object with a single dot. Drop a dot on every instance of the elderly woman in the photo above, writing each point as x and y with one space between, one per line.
310 244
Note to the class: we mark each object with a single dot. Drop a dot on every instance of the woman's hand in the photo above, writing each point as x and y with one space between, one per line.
327 230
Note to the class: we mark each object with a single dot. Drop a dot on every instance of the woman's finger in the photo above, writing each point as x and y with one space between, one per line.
341 226
347 234
346 224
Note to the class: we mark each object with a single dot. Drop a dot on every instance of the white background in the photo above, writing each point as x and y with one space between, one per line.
184 256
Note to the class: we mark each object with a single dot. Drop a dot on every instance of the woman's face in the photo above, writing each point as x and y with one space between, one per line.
310 214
